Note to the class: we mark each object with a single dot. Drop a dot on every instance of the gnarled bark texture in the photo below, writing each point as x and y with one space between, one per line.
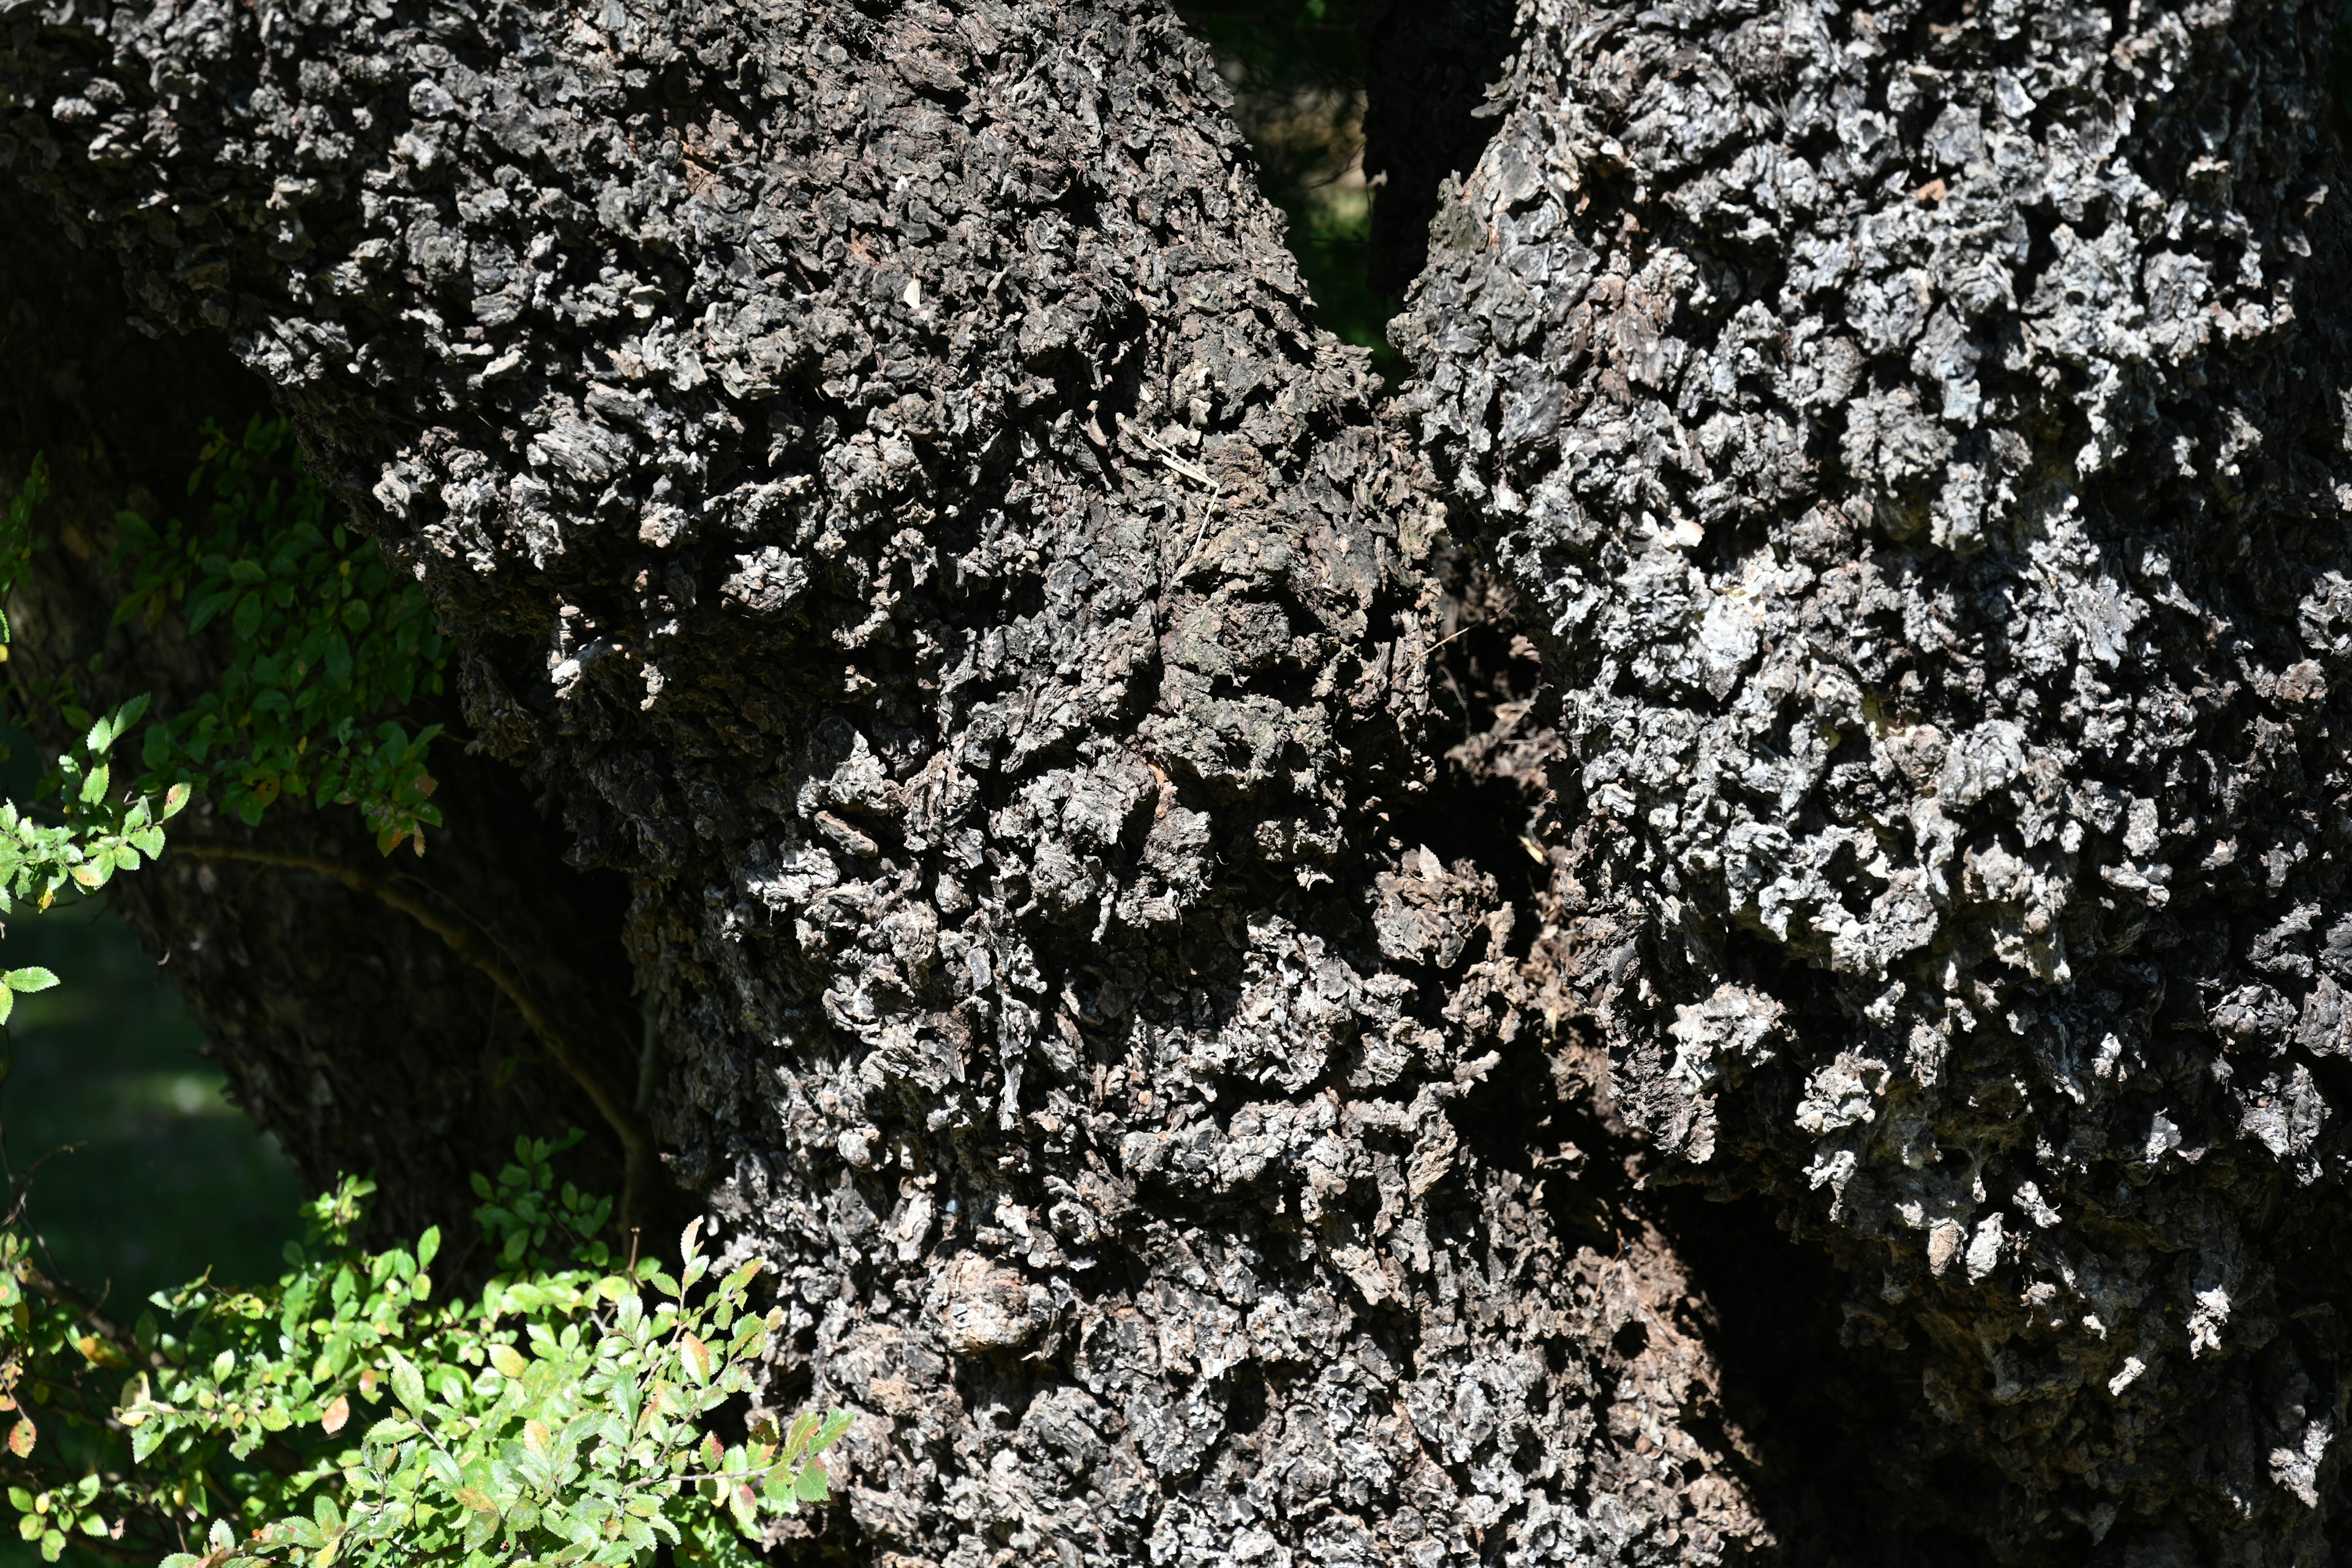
878 471
1922 432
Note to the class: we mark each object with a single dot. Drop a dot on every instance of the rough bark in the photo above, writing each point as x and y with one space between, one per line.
876 467
352 1034
1920 437
888 495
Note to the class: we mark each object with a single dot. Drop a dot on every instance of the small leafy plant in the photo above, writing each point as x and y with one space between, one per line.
350 1415
329 644
90 833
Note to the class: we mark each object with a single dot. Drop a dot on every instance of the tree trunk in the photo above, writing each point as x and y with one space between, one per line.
1925 434
888 500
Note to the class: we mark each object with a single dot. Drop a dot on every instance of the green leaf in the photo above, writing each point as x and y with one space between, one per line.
811 1484
408 1385
29 979
428 1247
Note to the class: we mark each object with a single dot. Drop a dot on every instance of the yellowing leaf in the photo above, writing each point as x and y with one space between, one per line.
336 1414
698 1360
508 1361
98 1352
22 1436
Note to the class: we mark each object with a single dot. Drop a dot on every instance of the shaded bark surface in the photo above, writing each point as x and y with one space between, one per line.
348 1032
888 495
1919 437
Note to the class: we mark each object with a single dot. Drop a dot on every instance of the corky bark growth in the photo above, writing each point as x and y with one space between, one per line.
888 493
1923 433
889 497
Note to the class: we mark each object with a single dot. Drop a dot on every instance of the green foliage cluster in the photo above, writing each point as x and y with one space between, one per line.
328 642
91 832
349 1413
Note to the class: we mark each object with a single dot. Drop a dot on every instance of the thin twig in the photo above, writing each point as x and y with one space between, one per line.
1457 632
636 1139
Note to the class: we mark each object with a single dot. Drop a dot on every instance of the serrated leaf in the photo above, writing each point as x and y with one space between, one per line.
510 1362
22 1436
811 1485
698 1360
332 1418
29 979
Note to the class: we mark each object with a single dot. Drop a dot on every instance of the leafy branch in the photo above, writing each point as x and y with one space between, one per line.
329 644
563 1417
